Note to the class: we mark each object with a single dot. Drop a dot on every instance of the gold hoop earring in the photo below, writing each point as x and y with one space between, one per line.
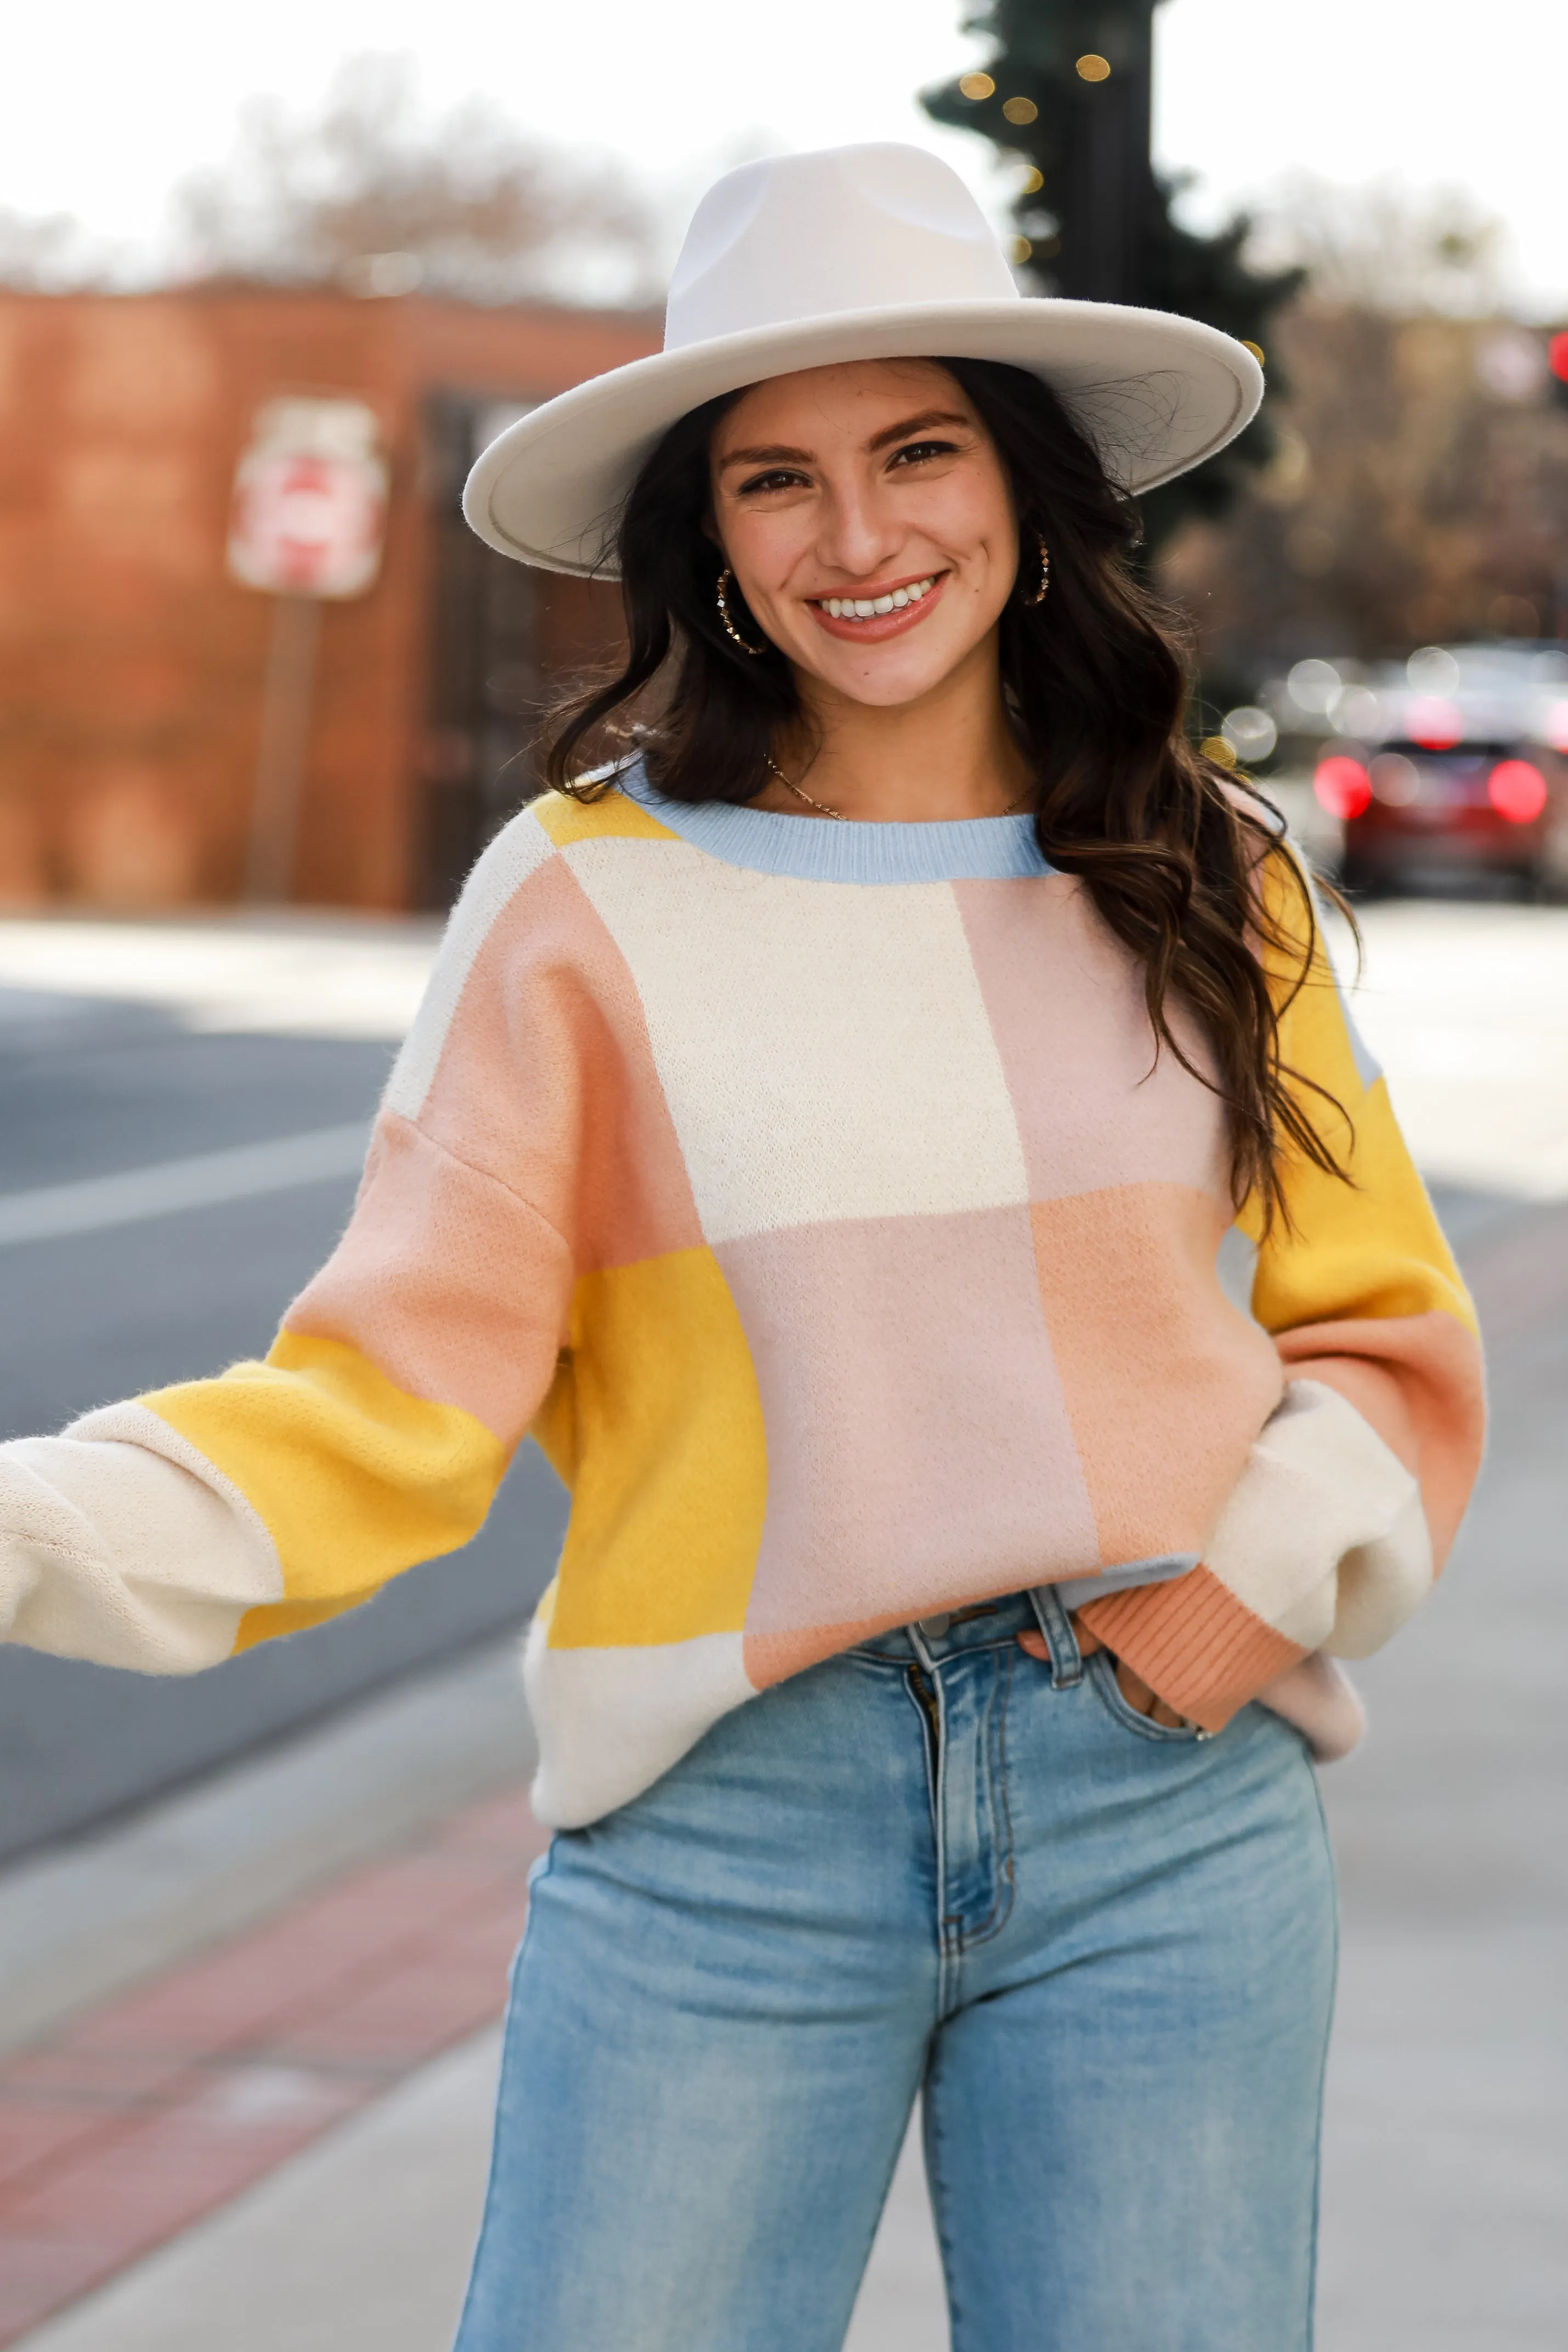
721 599
1039 595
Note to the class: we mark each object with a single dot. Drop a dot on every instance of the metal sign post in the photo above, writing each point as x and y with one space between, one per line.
309 505
286 699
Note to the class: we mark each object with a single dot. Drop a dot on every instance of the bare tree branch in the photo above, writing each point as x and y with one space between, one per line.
369 194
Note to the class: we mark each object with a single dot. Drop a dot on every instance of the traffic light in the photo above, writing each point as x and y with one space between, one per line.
1557 361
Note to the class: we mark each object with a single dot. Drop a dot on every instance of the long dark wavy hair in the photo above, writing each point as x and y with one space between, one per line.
1170 845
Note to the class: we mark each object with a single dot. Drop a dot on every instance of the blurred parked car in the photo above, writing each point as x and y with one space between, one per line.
1453 765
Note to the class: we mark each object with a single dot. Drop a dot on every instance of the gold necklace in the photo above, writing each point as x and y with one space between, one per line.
837 815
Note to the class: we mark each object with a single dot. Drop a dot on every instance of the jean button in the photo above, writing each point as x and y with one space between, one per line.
934 1627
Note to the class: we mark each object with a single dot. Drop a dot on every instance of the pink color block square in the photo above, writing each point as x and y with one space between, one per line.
919 1452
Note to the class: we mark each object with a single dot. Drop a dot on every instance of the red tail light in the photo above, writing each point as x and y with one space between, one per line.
1342 785
1517 790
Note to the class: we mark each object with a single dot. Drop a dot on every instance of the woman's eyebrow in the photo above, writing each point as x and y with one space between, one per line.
920 423
778 455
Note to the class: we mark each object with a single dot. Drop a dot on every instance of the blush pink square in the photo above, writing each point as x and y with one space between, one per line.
919 1451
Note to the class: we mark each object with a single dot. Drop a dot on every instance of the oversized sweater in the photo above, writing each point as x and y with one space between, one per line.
815 1195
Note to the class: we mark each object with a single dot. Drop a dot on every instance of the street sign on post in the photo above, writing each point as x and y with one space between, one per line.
306 525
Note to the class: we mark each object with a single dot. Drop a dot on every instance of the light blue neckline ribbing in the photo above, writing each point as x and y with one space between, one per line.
821 849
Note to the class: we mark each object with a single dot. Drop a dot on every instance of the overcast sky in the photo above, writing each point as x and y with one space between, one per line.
104 104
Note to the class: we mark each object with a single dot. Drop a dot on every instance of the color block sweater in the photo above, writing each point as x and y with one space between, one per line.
815 1194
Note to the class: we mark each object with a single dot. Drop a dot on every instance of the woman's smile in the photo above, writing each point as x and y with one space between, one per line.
888 609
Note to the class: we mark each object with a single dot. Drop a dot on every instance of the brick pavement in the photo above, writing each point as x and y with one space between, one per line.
151 2110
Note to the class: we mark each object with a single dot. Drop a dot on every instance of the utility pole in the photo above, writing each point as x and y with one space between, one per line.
1067 93
1108 185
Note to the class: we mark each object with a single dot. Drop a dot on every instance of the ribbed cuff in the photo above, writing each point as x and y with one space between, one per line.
1196 1645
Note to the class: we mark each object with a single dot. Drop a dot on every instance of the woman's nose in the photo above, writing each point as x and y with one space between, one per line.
857 539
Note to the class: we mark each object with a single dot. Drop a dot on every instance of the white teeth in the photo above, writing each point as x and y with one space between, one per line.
863 608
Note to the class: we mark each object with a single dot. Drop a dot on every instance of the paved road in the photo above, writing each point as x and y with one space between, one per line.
93 1087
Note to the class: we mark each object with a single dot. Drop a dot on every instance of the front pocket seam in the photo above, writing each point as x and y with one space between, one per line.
1102 1673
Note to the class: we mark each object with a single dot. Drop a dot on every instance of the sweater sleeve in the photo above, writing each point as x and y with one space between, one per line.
1354 1488
168 1532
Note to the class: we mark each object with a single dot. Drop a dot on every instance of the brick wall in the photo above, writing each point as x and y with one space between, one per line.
131 667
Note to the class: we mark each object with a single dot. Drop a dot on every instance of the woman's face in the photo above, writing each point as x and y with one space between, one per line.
873 483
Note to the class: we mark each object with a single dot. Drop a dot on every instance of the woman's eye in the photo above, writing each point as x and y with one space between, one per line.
779 479
915 453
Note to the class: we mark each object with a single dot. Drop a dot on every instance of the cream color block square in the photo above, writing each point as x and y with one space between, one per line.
610 1721
1324 1535
824 1048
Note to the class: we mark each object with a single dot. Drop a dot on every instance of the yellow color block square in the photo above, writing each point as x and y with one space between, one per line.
662 1439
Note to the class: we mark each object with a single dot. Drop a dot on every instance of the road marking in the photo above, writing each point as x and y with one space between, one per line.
96 1204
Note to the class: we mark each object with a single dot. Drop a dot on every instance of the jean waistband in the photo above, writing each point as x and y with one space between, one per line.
982 1625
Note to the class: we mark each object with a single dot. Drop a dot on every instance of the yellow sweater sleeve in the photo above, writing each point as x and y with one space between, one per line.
1358 1284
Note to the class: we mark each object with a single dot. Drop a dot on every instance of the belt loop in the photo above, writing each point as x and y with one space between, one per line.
917 1643
1056 1625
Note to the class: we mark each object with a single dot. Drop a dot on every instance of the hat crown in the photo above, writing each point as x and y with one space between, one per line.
843 229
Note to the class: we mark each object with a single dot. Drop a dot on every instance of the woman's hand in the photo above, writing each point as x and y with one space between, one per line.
1142 1699
1132 1687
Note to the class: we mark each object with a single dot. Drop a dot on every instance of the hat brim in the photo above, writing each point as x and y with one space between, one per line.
1156 394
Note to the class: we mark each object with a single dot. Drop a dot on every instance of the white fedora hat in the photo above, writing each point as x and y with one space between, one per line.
851 253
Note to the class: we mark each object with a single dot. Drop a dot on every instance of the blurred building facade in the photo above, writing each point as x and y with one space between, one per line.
132 666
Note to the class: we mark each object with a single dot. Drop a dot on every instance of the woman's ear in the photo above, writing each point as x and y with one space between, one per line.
710 530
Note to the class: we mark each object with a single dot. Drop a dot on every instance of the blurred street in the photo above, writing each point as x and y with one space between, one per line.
229 1063
210 1051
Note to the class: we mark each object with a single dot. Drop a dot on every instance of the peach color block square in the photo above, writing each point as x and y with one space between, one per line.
1167 1383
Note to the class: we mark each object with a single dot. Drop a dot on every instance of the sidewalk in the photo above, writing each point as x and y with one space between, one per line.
204 1992
277 2143
151 2111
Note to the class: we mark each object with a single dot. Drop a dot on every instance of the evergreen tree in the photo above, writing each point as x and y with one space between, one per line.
1068 89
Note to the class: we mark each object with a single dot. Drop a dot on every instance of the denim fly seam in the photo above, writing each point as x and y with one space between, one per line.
961 1687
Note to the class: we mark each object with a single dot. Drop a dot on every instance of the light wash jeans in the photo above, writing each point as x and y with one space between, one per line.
1103 1950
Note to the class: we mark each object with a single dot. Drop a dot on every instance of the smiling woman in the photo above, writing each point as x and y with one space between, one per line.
841 1132
1028 664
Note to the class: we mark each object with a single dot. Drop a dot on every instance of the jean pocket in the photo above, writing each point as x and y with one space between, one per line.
1101 1673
